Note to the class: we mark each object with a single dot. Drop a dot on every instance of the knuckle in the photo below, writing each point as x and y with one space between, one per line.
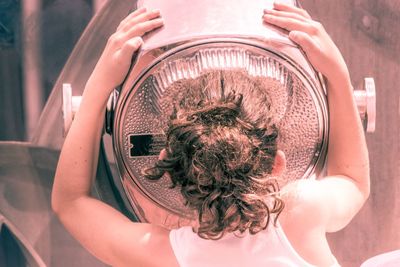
114 39
318 25
126 46
149 15
139 27
315 27
134 43
155 23
306 45
305 13
121 24
111 39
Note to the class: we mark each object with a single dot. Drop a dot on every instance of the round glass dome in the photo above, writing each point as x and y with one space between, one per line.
263 76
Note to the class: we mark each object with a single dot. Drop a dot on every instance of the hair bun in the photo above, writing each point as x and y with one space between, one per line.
221 147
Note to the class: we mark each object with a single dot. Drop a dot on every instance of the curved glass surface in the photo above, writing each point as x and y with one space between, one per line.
143 112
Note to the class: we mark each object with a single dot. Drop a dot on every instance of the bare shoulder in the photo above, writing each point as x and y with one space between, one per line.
330 202
304 219
303 203
142 239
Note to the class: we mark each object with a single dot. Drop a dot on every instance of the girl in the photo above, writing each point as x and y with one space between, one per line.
221 157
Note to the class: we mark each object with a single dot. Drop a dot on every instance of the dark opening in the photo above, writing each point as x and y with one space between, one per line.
11 253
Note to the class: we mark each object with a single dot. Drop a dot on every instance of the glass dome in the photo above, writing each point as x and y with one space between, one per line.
297 100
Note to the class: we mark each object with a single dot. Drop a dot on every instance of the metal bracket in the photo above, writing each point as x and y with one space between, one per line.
366 104
70 105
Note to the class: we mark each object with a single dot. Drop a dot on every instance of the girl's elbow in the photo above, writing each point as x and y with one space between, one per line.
55 204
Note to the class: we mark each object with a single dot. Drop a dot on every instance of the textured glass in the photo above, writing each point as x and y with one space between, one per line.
293 109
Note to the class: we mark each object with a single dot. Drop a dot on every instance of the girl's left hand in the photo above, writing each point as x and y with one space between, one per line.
312 37
114 63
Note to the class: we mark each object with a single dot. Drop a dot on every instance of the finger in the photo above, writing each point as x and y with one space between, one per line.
163 154
130 16
285 14
304 40
131 46
141 28
149 15
290 24
291 8
138 11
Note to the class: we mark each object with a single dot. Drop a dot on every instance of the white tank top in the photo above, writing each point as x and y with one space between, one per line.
267 248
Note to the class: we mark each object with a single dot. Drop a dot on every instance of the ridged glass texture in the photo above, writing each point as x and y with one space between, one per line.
149 107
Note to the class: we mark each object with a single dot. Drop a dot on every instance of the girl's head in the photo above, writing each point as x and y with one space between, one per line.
221 150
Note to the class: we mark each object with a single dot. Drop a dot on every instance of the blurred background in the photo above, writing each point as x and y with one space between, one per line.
37 36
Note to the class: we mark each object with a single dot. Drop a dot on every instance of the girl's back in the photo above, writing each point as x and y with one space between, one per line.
297 239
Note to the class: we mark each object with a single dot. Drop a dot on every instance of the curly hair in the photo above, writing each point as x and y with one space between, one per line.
221 157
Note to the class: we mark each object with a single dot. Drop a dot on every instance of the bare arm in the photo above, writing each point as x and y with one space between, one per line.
343 192
99 228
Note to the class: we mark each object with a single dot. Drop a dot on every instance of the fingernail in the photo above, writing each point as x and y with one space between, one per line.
161 21
156 11
268 17
267 11
139 41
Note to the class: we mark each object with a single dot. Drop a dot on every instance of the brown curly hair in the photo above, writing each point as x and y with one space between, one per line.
221 157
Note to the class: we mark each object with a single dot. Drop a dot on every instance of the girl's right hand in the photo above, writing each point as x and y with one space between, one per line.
114 63
312 37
